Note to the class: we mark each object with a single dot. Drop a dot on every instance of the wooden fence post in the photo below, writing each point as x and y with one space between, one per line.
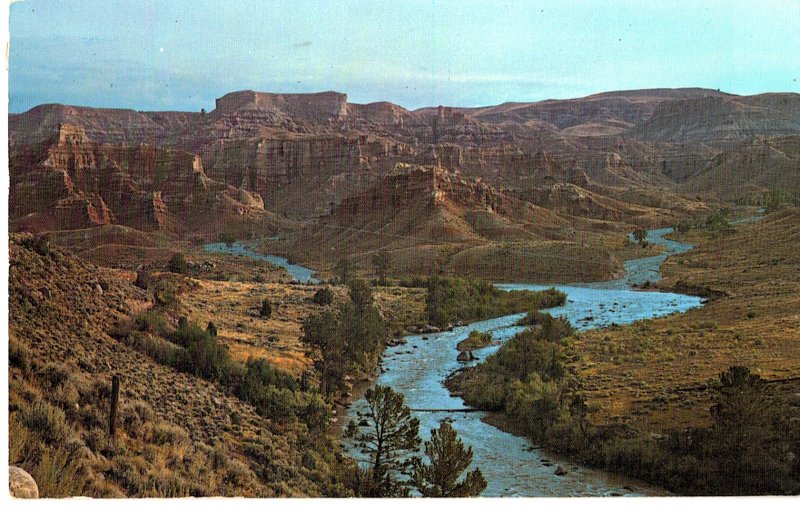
112 418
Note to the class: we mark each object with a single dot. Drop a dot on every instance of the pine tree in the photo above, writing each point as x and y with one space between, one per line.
322 334
640 235
387 433
343 270
448 461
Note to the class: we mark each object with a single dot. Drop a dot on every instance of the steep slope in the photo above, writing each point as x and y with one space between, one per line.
300 155
596 115
750 170
179 435
721 119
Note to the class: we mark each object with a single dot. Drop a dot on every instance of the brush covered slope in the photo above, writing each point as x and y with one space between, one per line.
659 374
178 434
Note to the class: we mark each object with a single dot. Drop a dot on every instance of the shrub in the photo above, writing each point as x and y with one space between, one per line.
265 311
474 341
152 322
211 328
53 374
48 421
19 355
323 296
18 439
532 318
165 433
58 474
467 299
66 395
178 264
164 294
205 358
38 244
227 238
143 280
157 349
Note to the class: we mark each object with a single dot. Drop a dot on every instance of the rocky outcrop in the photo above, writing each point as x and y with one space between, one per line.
247 112
301 154
70 182
21 484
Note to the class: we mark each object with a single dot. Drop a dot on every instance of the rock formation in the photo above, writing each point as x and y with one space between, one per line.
299 155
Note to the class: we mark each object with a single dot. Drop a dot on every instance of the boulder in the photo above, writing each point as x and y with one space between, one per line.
21 484
560 471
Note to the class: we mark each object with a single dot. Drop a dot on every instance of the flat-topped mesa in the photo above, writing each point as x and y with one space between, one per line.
322 108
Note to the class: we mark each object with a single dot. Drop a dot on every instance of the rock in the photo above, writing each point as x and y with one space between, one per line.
98 289
21 484
45 291
466 357
560 471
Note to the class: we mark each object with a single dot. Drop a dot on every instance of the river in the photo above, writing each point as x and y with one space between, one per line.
511 466
247 249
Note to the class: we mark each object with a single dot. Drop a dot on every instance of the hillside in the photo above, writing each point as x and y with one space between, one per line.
658 374
178 434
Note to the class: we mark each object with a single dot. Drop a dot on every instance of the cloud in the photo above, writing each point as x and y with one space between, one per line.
304 44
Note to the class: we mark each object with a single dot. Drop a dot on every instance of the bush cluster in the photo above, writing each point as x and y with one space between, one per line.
467 299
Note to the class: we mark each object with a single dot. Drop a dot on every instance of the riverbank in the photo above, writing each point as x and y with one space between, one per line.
512 467
650 381
566 462
655 375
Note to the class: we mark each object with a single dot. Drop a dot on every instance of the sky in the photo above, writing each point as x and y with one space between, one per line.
182 55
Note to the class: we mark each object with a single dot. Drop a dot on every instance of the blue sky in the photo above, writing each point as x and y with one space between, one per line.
181 55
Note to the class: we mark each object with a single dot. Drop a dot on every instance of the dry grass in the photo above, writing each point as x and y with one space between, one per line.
233 307
655 373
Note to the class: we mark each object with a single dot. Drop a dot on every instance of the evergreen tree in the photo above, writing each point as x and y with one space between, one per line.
448 461
746 438
265 311
322 334
640 235
363 326
323 296
178 264
387 433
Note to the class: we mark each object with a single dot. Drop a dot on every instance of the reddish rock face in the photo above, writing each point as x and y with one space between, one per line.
300 155
70 182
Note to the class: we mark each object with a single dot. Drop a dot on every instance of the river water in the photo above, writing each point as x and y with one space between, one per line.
510 465
247 249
